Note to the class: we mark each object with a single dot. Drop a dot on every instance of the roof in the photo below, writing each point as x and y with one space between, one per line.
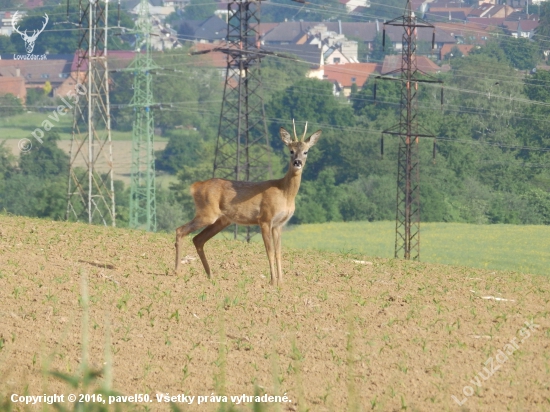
347 74
116 59
287 32
446 15
520 15
393 62
487 23
395 34
211 59
463 30
13 85
267 27
211 29
465 49
526 25
37 71
436 9
448 3
290 32
305 52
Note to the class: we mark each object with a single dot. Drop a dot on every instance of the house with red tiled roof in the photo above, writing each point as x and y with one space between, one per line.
393 62
491 10
521 28
465 49
36 73
486 23
395 35
211 57
14 86
465 32
343 76
117 59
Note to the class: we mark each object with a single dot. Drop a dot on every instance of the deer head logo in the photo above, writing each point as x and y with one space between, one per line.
29 40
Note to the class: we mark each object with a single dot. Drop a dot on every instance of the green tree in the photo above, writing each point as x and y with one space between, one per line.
7 163
45 160
379 49
6 44
522 53
183 148
311 100
199 10
542 32
10 105
318 201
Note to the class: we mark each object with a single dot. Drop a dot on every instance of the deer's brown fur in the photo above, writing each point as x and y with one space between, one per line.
269 204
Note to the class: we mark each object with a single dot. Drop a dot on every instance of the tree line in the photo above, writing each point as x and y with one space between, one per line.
492 141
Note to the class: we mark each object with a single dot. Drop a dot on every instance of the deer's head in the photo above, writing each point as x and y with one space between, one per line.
298 148
29 40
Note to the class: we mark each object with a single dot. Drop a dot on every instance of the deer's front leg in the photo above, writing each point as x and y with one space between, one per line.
277 242
268 242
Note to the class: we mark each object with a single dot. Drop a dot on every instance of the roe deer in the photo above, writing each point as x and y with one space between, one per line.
269 204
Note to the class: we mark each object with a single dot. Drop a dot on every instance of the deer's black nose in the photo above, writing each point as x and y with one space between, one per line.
298 163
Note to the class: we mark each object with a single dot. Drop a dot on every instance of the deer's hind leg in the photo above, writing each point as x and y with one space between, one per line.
205 236
182 231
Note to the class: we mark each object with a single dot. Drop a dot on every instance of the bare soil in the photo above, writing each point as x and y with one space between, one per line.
344 333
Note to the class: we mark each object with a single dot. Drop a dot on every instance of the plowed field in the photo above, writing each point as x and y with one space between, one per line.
344 333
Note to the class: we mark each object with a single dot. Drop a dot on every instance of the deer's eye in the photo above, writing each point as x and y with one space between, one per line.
292 152
305 153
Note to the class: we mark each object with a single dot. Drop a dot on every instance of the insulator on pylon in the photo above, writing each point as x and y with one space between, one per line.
382 146
434 150
374 94
433 40
384 38
118 18
442 96
67 9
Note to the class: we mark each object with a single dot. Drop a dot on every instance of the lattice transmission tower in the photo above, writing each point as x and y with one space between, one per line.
242 149
142 186
91 195
407 227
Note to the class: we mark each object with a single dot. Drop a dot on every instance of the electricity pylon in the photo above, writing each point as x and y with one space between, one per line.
242 148
407 226
142 186
91 194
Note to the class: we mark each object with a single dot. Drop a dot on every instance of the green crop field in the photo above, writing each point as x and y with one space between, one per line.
22 125
501 247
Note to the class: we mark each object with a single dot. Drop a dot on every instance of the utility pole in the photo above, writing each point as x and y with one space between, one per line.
142 186
91 194
407 227
242 149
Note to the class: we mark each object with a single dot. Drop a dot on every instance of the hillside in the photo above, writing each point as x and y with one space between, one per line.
341 335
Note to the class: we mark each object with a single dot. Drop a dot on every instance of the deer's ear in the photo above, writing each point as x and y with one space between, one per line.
311 140
285 136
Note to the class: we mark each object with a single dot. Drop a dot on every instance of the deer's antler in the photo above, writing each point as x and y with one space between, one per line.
295 135
305 131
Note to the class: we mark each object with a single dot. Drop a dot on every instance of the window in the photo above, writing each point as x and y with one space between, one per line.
336 60
45 76
353 79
